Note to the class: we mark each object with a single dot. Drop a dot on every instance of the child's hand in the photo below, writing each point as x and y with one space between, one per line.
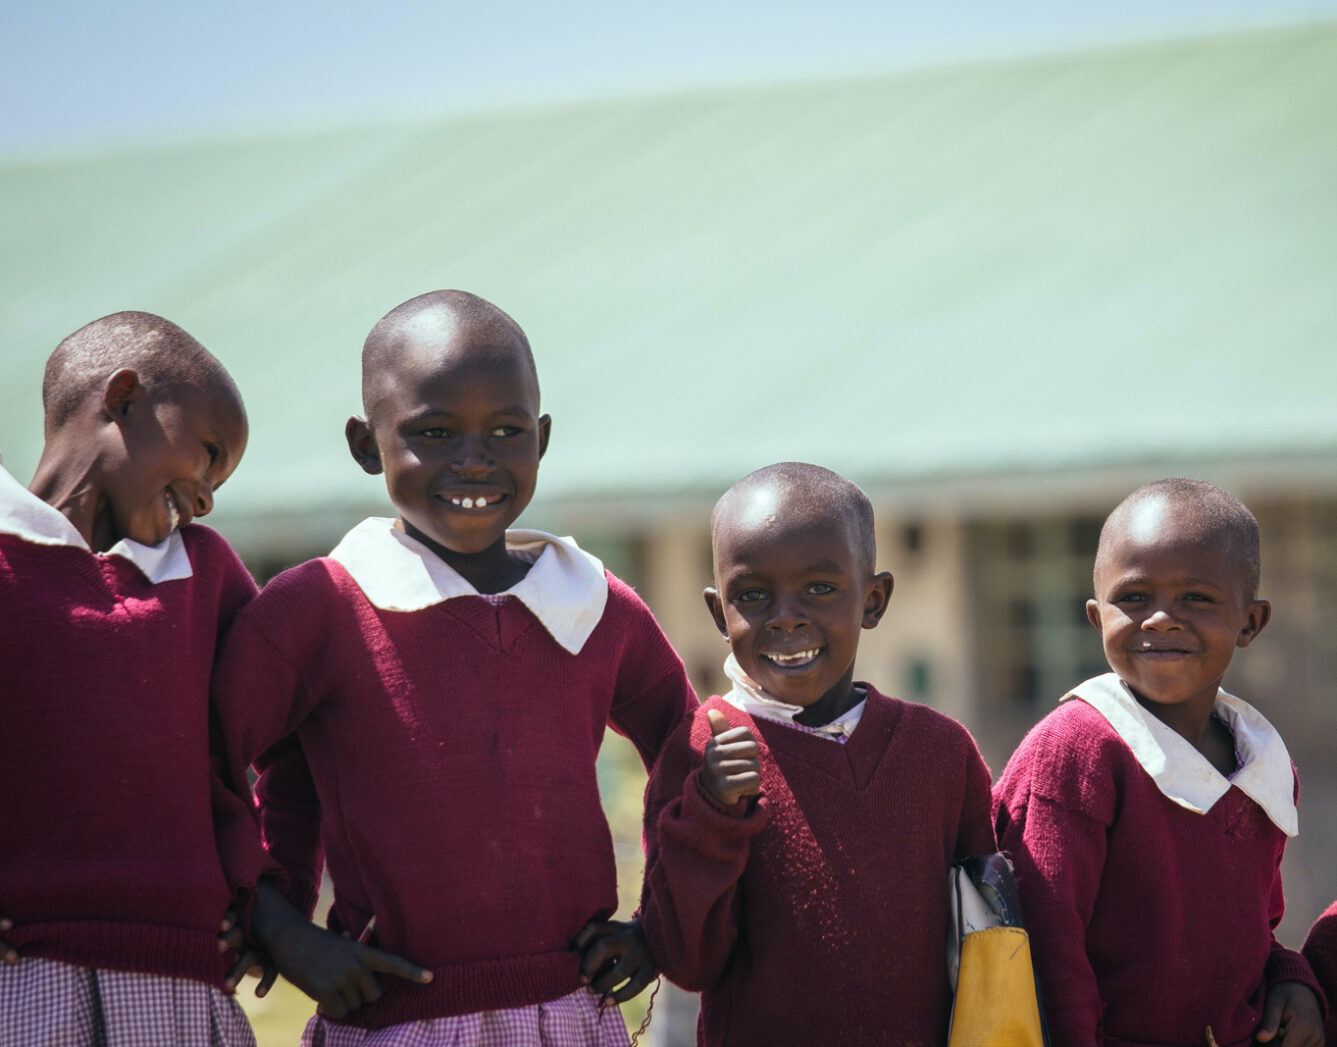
1292 1016
8 953
731 768
230 936
614 951
337 972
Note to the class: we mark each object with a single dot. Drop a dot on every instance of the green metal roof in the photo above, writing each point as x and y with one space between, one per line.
1064 262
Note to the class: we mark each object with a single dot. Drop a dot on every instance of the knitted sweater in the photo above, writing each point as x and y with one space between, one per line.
109 855
816 913
1320 949
1149 922
452 751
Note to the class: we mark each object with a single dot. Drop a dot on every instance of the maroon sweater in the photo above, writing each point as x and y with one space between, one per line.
1320 949
109 855
452 751
1148 922
816 913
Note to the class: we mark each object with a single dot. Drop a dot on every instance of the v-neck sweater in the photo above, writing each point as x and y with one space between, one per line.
1149 922
452 752
110 854
816 912
1320 949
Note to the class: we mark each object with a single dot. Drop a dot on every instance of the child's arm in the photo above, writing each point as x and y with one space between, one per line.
974 834
337 972
1320 949
1058 855
700 819
290 821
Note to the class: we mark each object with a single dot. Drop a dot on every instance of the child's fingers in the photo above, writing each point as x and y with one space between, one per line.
719 723
388 963
267 980
248 959
642 977
592 930
230 938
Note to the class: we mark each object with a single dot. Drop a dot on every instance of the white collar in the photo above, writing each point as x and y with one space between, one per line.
1182 773
26 516
748 696
566 589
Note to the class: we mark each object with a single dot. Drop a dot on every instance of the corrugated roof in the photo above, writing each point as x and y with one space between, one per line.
1064 262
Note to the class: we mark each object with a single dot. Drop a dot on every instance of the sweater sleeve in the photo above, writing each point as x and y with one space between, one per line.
696 852
1058 854
290 821
974 833
258 700
1283 964
1320 949
652 694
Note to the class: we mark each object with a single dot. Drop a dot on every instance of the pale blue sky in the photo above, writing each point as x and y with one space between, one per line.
80 75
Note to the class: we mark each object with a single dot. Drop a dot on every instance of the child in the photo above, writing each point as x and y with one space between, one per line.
111 603
1320 949
1147 818
800 828
448 682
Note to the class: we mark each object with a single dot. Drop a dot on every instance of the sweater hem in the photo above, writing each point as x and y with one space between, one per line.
174 952
466 988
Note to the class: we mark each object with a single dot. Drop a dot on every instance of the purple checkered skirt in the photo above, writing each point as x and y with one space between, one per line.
44 1003
575 1020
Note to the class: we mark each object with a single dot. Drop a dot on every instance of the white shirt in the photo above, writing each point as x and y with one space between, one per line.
566 588
749 696
26 516
1182 773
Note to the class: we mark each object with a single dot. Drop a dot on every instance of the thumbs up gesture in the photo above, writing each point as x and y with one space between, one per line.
731 767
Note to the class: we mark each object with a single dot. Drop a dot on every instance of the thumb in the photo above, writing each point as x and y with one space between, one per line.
718 722
1272 1010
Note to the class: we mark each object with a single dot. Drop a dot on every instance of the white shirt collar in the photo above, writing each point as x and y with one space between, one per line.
748 696
26 516
566 589
1182 773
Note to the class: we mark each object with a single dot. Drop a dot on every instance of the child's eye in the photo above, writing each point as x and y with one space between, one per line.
434 433
1131 597
1198 597
821 588
214 452
750 596
506 430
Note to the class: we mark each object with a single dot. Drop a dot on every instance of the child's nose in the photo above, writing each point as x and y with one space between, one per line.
1159 618
472 457
204 499
786 614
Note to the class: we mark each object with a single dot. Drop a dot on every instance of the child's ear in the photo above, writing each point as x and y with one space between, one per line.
879 594
121 391
1260 613
362 445
1093 614
716 610
545 431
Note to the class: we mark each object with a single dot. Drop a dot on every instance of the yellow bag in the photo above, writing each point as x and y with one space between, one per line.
989 960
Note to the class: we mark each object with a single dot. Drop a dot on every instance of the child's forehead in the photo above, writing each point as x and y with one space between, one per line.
774 523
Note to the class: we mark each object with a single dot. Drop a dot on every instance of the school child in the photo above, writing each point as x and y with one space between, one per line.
447 681
1147 814
113 890
1320 949
799 829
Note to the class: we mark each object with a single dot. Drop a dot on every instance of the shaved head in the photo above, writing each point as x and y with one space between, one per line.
157 350
1201 510
803 491
430 325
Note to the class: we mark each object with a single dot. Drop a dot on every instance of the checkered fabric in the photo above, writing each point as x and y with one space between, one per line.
575 1020
44 1003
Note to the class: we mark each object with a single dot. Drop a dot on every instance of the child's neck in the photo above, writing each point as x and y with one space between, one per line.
1196 723
494 570
68 485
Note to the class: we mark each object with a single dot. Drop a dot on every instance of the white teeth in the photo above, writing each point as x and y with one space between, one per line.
471 503
173 513
791 659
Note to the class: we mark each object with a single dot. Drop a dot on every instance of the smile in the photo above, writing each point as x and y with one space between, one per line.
477 502
792 661
173 511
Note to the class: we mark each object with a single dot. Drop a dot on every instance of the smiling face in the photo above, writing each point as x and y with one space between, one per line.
179 443
794 588
1173 602
453 422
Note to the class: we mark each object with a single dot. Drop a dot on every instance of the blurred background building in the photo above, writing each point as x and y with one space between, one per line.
999 284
